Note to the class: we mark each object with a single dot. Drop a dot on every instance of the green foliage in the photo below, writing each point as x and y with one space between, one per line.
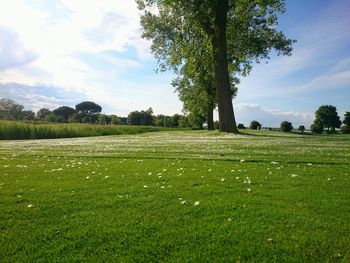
241 126
63 113
316 128
286 126
88 107
115 120
347 118
203 41
345 129
41 114
301 128
184 122
327 117
28 115
141 117
255 125
10 130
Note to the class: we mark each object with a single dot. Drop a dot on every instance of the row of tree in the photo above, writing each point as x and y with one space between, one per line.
90 112
326 117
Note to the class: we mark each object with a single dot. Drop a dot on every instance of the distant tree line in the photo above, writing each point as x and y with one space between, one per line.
90 112
326 118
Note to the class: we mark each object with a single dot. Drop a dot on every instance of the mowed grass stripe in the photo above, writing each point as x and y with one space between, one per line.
88 208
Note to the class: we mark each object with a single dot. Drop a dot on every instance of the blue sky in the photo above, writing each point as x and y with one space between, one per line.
62 52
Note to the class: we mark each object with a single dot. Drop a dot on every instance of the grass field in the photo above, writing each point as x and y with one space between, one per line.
180 196
12 130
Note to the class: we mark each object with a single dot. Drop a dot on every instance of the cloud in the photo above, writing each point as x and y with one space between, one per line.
246 112
12 53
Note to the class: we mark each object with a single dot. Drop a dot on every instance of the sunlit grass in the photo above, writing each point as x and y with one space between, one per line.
184 196
10 130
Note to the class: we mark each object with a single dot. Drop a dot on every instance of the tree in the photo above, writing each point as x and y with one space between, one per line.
141 117
327 117
346 120
255 125
240 126
88 107
41 114
316 128
28 115
115 120
11 110
286 126
238 32
63 113
301 128
345 129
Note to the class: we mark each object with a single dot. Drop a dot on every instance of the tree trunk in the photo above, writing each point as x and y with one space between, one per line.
210 119
223 92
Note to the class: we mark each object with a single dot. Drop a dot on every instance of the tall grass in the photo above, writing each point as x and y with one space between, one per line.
10 130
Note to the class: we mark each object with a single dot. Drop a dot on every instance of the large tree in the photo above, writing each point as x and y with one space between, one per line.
88 107
63 113
11 110
327 117
237 33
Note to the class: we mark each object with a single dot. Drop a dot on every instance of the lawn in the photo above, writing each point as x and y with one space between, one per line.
176 196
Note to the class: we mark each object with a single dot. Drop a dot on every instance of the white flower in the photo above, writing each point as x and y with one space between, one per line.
229 219
196 203
242 161
183 202
149 173
145 186
274 162
309 164
209 170
249 190
30 205
294 175
222 179
269 239
106 176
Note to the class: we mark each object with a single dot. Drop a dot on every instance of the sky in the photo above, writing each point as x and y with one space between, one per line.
62 52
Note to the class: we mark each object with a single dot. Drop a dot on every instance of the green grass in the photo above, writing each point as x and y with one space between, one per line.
119 198
10 130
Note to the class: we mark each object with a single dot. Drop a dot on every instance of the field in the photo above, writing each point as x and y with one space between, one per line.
176 196
11 130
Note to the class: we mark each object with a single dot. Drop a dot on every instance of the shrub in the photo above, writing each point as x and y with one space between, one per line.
255 125
240 126
345 129
316 128
301 128
286 126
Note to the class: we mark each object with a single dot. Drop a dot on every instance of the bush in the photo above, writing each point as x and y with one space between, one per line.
286 126
345 129
316 128
241 126
255 125
301 128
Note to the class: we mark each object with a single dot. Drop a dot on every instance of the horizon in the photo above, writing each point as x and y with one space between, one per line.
107 61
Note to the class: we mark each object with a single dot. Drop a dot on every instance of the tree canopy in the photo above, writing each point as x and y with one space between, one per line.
327 117
88 107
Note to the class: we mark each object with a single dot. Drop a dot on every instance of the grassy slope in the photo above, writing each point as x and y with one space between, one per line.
118 198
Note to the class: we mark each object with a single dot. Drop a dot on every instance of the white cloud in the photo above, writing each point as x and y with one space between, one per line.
12 52
246 112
